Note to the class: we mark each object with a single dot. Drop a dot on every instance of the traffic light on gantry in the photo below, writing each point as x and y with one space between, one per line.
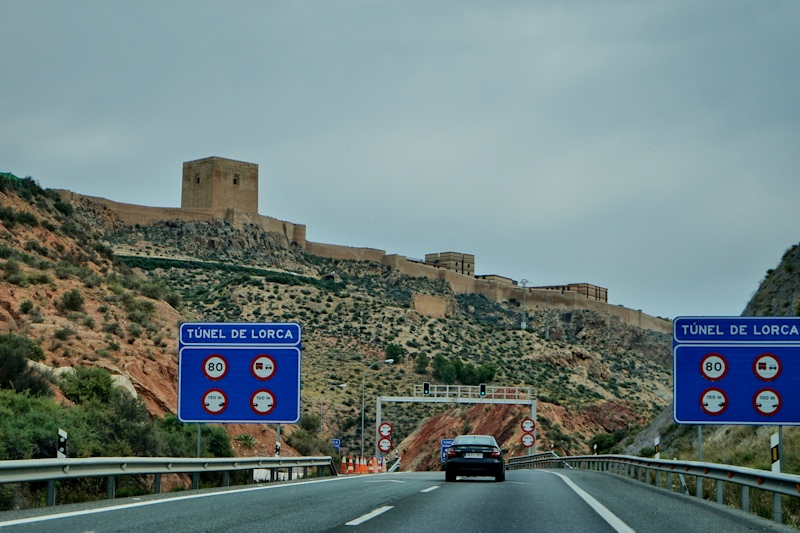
426 388
483 389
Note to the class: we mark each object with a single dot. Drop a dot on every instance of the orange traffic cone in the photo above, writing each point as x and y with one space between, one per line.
343 469
363 465
350 468
371 465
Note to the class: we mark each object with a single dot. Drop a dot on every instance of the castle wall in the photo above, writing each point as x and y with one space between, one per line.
335 251
460 283
428 305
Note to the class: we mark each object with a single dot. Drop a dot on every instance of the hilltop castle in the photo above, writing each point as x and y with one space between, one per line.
219 188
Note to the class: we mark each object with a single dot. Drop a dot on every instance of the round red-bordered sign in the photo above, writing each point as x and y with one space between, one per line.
215 367
714 366
767 367
214 401
263 402
528 425
385 429
713 401
528 440
767 402
384 444
263 367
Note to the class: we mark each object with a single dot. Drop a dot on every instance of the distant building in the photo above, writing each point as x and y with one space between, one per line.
455 261
220 184
592 292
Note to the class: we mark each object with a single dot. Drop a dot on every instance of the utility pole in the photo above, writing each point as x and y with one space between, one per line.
524 321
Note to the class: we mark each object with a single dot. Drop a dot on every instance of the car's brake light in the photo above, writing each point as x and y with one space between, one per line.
451 452
495 453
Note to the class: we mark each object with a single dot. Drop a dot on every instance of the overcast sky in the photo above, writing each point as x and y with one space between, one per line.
652 148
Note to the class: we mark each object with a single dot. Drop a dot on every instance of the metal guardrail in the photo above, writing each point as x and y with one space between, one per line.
52 470
651 471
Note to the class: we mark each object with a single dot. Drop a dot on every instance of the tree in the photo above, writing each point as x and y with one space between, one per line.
396 352
421 364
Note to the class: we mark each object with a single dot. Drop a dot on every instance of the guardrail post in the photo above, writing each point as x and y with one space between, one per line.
777 514
157 484
289 474
699 487
51 492
196 481
305 472
226 478
719 491
111 487
745 498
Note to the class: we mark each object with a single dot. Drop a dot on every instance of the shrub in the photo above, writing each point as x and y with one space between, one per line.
71 300
15 351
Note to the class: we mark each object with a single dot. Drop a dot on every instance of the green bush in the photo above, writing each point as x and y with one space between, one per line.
71 300
15 351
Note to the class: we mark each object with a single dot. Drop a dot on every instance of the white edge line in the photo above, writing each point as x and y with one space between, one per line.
369 516
429 489
612 519
110 508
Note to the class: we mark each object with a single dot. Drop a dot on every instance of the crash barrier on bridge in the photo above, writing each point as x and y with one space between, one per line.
672 475
52 470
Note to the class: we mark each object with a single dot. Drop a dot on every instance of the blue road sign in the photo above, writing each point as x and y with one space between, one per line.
337 444
446 443
239 373
736 370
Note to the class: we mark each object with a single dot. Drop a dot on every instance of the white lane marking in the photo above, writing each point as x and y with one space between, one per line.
70 514
369 516
383 481
612 519
430 488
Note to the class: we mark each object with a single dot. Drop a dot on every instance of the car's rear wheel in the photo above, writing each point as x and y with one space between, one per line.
449 475
501 476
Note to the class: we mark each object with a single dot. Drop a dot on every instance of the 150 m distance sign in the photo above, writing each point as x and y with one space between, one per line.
239 373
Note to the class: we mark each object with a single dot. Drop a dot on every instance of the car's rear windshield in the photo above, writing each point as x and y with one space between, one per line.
474 439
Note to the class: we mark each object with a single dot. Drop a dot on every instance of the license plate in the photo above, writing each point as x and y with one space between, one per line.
472 455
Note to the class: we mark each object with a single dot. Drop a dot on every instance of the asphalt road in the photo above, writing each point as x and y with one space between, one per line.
529 500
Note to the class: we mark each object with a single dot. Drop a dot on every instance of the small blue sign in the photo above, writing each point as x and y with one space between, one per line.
716 330
446 443
337 444
240 333
736 370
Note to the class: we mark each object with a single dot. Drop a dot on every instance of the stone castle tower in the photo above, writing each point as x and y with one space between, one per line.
220 184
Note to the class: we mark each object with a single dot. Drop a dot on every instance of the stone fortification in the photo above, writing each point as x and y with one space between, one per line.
219 188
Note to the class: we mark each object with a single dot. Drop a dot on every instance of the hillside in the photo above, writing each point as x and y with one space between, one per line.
777 295
593 376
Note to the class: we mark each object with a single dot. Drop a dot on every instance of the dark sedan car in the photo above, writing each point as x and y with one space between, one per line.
474 455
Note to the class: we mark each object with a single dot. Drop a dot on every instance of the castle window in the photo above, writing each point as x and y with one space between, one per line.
197 178
236 179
